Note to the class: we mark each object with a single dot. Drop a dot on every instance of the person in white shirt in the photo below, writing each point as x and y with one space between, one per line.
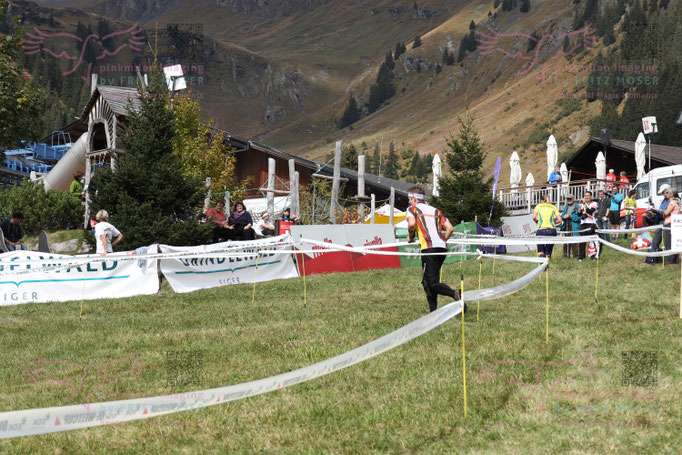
104 233
265 226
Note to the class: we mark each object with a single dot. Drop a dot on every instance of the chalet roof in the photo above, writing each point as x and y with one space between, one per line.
116 97
382 183
670 154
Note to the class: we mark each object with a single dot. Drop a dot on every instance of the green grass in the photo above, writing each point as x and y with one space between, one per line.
406 401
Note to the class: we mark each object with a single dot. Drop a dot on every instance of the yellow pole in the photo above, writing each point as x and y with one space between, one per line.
85 280
305 297
596 281
547 305
464 360
255 278
480 269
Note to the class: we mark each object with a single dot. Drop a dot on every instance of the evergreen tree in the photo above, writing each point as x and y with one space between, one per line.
532 42
465 193
566 45
496 3
439 68
446 54
461 52
417 42
472 43
400 49
472 25
373 162
389 62
21 99
351 114
427 164
525 6
392 167
349 157
148 196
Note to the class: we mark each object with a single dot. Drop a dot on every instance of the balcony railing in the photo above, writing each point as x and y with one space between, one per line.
522 199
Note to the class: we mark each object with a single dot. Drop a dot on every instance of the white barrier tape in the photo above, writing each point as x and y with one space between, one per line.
541 240
633 230
365 250
651 254
65 418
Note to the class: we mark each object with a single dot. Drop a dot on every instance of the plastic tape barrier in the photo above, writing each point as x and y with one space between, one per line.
65 418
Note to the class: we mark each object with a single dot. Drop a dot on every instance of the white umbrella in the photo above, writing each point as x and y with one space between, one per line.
530 180
552 155
564 173
600 163
515 171
437 169
640 158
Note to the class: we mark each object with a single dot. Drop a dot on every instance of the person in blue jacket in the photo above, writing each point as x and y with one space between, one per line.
571 224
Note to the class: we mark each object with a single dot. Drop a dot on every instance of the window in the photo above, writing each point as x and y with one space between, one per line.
642 190
673 182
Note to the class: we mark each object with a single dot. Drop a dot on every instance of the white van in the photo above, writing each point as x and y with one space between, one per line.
647 188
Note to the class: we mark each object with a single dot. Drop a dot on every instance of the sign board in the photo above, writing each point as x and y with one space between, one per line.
649 125
173 71
520 225
676 232
462 230
256 206
190 274
357 235
99 279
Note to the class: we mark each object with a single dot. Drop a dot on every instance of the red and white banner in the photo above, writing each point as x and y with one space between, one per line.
355 235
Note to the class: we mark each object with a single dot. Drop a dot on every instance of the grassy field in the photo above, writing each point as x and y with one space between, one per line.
524 396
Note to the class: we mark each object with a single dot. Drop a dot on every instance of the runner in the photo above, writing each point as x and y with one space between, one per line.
429 222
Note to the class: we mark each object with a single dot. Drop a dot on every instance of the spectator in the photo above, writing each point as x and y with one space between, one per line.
610 177
241 223
76 188
623 180
588 212
547 216
286 215
221 229
104 232
673 209
555 176
571 217
614 210
658 214
604 207
266 228
630 205
11 229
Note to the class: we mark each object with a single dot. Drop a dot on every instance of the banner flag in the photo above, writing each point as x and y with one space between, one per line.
98 279
192 273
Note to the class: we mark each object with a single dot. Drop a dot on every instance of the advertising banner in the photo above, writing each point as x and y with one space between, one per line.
190 274
98 279
356 235
517 226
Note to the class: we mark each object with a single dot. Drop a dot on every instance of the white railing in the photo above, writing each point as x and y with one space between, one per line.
523 199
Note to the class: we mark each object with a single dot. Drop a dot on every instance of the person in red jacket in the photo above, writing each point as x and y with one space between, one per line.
623 180
610 177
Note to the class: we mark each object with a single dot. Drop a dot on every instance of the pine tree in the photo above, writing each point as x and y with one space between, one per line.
417 42
525 6
427 164
351 114
472 25
374 161
21 98
392 167
532 42
389 62
464 192
439 68
472 43
445 55
349 157
148 197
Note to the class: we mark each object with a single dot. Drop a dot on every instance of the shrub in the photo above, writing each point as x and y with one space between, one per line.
50 210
